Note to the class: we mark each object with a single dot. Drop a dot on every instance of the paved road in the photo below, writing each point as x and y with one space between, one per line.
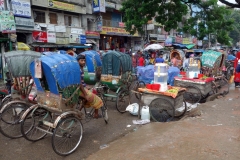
96 133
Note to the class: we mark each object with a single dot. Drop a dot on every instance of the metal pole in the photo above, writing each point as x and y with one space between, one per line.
209 40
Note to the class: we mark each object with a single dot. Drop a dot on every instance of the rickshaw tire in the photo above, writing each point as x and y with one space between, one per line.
32 127
18 120
122 91
54 135
5 101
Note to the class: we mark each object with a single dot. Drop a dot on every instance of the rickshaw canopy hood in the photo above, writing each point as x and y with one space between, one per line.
92 59
211 58
18 62
116 63
59 70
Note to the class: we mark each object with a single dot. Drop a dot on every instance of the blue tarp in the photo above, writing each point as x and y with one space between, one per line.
93 59
172 72
146 74
61 69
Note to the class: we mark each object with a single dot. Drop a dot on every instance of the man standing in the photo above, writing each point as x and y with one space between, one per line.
92 99
160 59
141 61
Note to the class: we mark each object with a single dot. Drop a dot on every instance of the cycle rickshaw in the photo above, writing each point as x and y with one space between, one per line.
56 112
18 101
92 70
117 77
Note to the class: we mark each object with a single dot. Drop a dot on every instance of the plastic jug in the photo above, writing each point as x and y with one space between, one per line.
145 115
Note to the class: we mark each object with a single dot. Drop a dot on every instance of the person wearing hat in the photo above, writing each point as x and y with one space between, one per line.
92 100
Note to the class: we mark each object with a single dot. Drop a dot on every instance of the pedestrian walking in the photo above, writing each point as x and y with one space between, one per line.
141 61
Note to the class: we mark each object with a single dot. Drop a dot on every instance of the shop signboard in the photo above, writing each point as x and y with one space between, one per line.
121 24
83 39
199 43
61 29
161 37
76 31
51 28
179 39
61 5
150 27
29 23
115 31
7 22
186 41
74 38
92 34
39 36
2 3
62 40
21 8
51 37
99 6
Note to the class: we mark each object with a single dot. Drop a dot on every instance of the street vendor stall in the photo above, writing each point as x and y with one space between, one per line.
163 106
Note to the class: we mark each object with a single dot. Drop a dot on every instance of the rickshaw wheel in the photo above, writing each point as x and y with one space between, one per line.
67 136
136 85
32 126
161 110
5 101
104 113
123 100
214 88
180 113
192 95
10 120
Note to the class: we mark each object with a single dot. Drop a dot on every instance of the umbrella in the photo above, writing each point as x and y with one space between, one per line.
22 46
153 47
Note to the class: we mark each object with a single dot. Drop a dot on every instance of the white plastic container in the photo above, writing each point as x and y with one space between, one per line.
145 115
161 68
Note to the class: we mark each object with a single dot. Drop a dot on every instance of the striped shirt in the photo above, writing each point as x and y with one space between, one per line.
82 78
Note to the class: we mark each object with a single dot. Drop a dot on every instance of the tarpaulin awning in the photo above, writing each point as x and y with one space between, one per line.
91 41
189 46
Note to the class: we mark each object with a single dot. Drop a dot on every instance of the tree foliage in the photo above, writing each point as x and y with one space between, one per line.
235 33
207 19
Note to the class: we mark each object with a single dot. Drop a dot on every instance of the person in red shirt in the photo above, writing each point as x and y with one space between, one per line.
141 61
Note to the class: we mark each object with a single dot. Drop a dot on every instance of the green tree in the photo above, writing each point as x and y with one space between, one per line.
235 33
208 19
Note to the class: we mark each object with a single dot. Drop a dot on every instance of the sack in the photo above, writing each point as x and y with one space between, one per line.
231 80
133 109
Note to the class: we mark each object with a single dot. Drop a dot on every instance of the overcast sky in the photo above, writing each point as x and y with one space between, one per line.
232 1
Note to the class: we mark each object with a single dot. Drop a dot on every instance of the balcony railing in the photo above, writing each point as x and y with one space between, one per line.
110 23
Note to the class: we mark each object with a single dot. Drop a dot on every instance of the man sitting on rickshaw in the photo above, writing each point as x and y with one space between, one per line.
92 100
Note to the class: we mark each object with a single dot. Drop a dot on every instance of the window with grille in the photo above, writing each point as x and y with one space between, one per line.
75 21
68 20
53 18
39 16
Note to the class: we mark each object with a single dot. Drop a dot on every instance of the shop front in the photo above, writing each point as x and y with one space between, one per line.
115 39
92 38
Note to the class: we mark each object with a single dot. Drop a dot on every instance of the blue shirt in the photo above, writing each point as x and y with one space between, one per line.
159 60
231 57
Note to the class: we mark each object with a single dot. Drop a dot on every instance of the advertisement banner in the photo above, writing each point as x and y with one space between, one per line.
2 8
60 29
179 39
99 26
39 36
168 41
115 31
7 22
83 39
74 38
99 6
51 37
121 24
21 8
92 34
61 5
110 5
186 41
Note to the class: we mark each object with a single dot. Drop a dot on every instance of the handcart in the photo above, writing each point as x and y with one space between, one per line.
163 106
56 112
117 77
15 104
92 70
